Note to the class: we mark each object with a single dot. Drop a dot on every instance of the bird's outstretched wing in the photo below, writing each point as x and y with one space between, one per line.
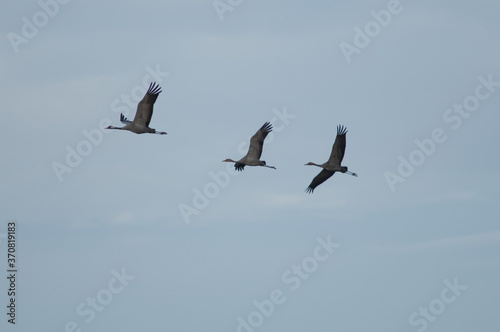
338 148
319 179
124 120
257 141
145 107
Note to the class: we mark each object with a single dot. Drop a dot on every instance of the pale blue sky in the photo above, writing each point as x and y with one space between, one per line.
120 209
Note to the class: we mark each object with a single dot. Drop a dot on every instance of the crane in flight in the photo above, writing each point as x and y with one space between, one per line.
333 163
143 115
255 150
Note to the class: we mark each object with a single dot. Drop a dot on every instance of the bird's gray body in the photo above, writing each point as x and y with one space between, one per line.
334 168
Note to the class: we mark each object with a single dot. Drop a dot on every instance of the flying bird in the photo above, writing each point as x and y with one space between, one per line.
255 150
333 163
143 115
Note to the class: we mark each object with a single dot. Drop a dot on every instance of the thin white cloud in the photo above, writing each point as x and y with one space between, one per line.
456 242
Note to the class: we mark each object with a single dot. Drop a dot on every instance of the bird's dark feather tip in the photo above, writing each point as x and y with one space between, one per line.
267 127
341 130
154 88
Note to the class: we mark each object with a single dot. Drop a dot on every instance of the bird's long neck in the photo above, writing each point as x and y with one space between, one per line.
313 164
111 127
